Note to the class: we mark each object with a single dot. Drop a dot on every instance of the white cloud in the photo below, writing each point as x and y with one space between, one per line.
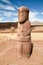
15 19
1 19
33 16
7 7
7 21
9 14
41 12
33 13
6 1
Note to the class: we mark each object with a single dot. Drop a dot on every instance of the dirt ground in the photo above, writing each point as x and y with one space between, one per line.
9 54
7 36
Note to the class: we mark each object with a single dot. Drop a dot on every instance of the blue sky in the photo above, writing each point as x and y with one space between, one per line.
9 10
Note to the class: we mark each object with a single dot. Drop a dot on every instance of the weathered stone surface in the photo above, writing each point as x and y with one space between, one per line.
26 49
23 13
24 32
23 48
24 29
24 39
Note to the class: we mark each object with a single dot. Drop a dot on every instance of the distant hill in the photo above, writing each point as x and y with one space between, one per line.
36 23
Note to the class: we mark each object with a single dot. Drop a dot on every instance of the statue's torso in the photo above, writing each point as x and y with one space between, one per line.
24 29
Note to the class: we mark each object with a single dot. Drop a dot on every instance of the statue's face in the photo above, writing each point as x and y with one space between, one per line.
22 16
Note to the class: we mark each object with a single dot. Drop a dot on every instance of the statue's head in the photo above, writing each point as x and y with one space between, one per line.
23 14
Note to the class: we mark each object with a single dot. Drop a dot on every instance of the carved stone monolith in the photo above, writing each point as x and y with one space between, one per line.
24 32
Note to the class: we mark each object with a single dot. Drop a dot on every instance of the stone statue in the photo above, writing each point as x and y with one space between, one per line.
24 32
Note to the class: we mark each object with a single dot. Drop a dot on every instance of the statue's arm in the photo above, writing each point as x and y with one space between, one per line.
29 28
